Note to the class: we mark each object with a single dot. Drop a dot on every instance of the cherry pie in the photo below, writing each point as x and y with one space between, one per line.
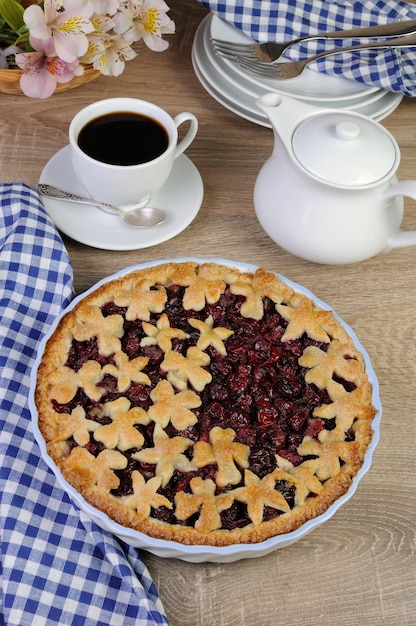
204 405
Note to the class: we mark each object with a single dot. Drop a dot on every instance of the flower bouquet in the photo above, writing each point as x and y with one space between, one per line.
55 41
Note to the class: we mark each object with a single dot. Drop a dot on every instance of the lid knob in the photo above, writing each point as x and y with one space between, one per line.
347 130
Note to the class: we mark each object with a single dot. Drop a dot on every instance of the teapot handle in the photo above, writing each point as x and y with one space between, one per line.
401 239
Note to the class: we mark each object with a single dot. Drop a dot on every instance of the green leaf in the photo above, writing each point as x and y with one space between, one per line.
22 39
12 12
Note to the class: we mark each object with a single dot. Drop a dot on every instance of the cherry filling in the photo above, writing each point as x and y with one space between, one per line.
258 389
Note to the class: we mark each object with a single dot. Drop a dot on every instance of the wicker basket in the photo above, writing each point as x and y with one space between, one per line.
10 81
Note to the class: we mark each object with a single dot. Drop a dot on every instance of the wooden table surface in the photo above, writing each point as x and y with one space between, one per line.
360 567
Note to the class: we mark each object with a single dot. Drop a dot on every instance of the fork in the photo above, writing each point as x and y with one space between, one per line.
271 51
292 69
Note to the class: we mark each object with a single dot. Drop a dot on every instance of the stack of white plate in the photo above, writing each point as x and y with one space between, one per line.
238 90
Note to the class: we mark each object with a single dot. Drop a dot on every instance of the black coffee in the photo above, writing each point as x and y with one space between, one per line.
123 138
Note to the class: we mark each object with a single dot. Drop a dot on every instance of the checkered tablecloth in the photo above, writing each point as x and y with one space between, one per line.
57 567
284 20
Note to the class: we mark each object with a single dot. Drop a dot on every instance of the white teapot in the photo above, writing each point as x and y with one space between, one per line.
329 193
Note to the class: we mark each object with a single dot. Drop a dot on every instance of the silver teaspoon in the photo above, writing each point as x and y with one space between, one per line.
145 217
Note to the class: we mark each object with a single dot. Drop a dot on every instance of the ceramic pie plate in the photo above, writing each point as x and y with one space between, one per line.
195 553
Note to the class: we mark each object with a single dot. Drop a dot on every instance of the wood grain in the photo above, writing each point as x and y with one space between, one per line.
359 569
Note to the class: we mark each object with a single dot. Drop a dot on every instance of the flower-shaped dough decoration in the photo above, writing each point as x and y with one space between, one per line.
121 432
329 455
207 285
108 330
339 360
161 334
167 454
203 501
261 285
142 298
172 407
345 408
302 477
225 453
190 368
65 382
96 471
75 425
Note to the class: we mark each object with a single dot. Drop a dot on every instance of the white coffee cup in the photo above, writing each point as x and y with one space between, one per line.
131 185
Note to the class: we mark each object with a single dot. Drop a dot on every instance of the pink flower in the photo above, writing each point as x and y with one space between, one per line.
41 73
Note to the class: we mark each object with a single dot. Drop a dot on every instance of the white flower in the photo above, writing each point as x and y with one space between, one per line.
145 20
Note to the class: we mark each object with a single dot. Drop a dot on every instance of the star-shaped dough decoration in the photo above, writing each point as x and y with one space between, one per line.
92 323
167 455
258 493
302 477
329 455
65 382
145 496
305 481
121 432
204 286
141 298
263 284
203 501
161 334
340 360
91 471
182 369
75 425
346 408
211 336
304 317
127 371
223 451
173 407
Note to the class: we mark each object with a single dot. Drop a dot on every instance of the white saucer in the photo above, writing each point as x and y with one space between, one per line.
181 197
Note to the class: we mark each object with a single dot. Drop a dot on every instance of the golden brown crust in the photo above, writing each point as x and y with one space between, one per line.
117 428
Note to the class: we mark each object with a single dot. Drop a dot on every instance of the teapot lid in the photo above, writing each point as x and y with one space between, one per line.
345 149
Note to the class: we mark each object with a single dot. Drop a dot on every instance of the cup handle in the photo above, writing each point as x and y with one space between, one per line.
401 239
191 133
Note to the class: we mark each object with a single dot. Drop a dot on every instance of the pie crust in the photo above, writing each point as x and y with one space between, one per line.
201 404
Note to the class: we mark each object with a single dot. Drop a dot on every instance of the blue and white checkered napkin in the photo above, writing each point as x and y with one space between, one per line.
58 567
284 20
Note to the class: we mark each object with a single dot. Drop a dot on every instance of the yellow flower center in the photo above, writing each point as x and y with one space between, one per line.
150 21
72 25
